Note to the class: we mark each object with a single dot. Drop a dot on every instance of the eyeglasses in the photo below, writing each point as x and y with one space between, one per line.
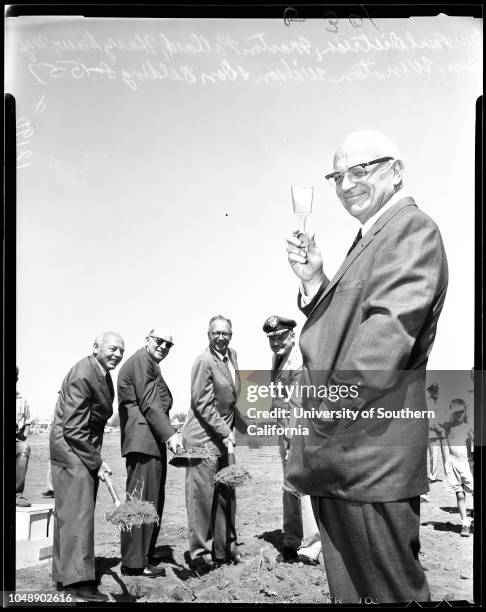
355 173
160 341
226 335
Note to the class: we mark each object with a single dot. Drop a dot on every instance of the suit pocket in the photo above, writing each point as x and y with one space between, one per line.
350 285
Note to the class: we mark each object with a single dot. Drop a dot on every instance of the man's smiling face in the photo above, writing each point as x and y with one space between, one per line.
363 197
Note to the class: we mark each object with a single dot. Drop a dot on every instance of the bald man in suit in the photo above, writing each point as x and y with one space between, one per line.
371 326
211 510
84 406
144 402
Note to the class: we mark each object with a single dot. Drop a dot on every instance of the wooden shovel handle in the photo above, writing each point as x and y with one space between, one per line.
112 491
231 454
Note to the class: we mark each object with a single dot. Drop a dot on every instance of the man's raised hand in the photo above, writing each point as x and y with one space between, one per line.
305 261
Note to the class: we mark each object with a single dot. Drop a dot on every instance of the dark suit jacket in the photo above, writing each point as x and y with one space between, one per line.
213 402
83 407
144 401
373 325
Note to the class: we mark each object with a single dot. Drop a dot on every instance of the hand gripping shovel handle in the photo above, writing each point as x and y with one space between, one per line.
112 491
231 454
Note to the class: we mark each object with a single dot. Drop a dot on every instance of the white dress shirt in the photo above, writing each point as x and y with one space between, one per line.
230 365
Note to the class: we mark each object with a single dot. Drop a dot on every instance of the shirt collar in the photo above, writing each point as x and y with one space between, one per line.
399 195
221 356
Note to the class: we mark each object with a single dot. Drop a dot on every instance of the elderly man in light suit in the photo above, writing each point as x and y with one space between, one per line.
211 511
371 325
84 406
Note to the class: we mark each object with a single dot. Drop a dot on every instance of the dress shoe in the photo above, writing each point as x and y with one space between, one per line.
149 571
22 501
288 555
202 565
48 494
86 591
306 560
233 560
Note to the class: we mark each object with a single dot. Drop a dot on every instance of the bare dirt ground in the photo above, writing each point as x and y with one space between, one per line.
446 557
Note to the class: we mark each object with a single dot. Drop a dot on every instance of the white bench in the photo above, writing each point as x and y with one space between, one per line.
34 527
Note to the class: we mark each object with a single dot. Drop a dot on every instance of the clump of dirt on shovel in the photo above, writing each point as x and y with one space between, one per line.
132 513
231 476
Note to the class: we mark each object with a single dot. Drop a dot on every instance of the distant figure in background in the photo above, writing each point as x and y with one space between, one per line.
84 406
470 405
301 539
434 434
49 491
211 510
144 402
22 447
457 473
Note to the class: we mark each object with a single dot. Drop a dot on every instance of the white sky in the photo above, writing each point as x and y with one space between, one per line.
167 204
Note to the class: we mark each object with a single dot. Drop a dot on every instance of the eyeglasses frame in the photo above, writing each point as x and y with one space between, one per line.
158 341
332 176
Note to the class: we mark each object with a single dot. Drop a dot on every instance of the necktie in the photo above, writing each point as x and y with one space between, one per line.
355 242
109 382
276 366
225 361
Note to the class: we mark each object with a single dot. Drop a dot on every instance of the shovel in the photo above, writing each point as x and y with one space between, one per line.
233 475
112 490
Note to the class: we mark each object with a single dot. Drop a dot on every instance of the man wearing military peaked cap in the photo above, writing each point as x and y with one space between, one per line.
275 325
300 534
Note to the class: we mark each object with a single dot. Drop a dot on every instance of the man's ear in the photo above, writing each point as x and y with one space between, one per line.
397 172
96 347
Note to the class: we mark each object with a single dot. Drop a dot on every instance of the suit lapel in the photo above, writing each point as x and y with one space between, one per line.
102 384
165 385
363 243
222 368
159 379
237 383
